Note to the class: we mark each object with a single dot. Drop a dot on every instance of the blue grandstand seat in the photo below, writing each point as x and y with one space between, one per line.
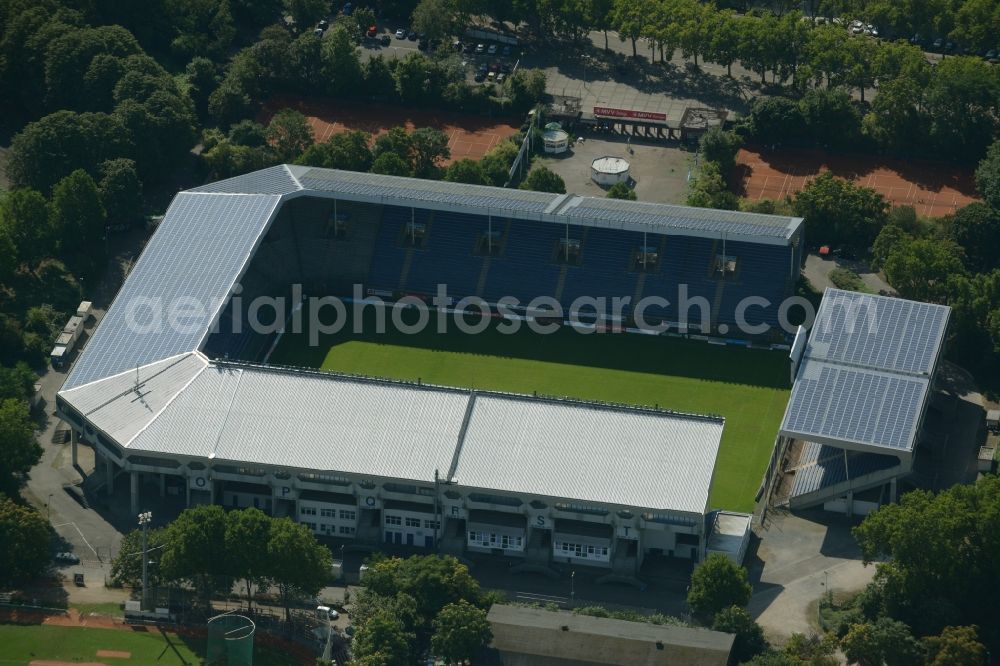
526 268
759 274
604 269
448 255
387 261
685 260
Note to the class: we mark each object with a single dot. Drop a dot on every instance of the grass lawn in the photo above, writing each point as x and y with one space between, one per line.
748 387
20 644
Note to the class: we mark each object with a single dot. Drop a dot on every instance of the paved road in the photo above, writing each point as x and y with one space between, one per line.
798 560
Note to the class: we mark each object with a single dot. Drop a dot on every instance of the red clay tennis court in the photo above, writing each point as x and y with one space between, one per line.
933 189
469 136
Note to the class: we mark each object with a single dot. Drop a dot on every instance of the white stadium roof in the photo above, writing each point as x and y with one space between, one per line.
188 407
866 373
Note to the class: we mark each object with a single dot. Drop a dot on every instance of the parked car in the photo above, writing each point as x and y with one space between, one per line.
492 50
480 76
500 77
323 24
348 9
468 47
495 67
506 68
318 32
480 48
491 77
67 558
456 45
401 33
505 52
385 40
372 31
412 36
483 68
937 44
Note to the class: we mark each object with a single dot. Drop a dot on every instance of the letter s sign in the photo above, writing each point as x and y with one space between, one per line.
540 521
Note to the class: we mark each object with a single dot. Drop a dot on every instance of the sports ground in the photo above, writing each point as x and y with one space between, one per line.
933 189
469 136
48 645
748 387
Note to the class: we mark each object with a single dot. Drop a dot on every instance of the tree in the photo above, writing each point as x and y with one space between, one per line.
956 646
202 79
247 536
290 134
121 192
126 567
976 228
709 189
719 146
432 581
384 636
927 543
24 541
920 268
428 146
306 12
963 103
465 171
621 191
437 19
47 150
723 45
390 164
988 176
838 212
341 67
884 641
460 631
297 563
717 583
80 220
776 121
886 241
629 18
19 451
341 151
750 639
17 383
26 220
197 549
542 179
830 117
229 103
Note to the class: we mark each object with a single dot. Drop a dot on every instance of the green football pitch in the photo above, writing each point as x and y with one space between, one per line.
749 387
21 644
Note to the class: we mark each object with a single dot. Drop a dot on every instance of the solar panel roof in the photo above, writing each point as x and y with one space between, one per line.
878 332
866 372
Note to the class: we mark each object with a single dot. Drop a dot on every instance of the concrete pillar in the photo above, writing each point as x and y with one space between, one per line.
163 485
892 490
850 503
109 473
211 492
135 491
74 439
187 488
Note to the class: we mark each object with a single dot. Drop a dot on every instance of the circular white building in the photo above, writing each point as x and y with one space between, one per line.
555 141
609 170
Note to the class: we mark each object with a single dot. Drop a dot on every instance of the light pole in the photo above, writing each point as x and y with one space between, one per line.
144 520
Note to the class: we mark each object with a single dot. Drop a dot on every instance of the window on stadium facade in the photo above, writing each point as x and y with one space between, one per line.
569 251
725 264
414 234
413 522
393 520
348 515
646 259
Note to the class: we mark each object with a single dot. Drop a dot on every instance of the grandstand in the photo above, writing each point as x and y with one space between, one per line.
854 421
171 385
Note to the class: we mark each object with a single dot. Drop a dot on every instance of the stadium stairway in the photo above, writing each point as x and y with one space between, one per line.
825 473
389 253
348 260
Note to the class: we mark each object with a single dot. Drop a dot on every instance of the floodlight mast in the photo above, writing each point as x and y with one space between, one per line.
144 519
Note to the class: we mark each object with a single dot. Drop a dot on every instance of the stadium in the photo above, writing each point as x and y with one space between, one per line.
603 449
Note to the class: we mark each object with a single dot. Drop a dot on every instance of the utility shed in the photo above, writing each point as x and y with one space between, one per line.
537 637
